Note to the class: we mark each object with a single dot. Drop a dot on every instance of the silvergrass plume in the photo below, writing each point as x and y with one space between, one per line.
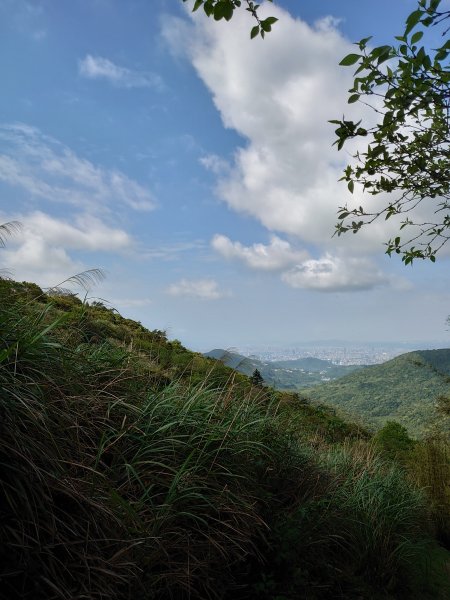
7 230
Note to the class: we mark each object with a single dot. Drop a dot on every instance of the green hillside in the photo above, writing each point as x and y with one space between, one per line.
405 389
291 375
132 468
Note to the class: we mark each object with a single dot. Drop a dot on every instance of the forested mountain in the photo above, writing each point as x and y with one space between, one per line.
406 388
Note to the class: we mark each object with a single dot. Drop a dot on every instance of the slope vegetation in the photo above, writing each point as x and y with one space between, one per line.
405 388
132 468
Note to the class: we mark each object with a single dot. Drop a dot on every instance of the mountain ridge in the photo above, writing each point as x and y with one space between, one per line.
405 388
291 375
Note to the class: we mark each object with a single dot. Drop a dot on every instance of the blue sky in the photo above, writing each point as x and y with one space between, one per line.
196 168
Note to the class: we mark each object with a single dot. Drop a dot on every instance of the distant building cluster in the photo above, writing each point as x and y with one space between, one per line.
338 355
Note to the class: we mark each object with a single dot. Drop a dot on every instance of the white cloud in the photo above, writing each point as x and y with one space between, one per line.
326 274
333 274
215 164
36 260
47 169
41 250
279 94
278 255
203 289
85 233
97 67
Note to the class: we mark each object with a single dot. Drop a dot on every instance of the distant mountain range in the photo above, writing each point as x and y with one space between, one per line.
291 375
405 389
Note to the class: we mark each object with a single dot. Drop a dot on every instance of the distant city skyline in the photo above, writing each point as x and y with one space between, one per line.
196 167
339 352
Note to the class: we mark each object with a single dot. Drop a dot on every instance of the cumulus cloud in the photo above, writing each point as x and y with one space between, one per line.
333 274
279 94
84 233
41 251
277 255
298 270
203 289
49 170
98 67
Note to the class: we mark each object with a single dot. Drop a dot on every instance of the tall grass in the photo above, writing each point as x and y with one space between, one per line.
430 468
382 512
58 541
116 486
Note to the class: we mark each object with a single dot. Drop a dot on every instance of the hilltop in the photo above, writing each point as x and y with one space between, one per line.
406 389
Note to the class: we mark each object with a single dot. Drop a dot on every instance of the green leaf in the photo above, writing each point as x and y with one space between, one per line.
441 55
349 60
388 117
351 187
219 11
254 32
228 11
265 26
362 43
353 98
380 51
412 20
208 7
197 5
416 37
434 4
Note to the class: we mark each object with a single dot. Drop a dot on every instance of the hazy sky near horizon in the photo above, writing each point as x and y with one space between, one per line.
196 168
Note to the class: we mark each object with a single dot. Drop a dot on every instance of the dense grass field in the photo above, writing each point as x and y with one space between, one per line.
131 468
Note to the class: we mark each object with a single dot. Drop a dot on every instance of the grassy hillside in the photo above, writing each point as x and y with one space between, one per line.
132 468
292 375
405 389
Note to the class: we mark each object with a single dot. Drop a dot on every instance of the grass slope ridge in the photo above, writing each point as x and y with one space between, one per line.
405 389
133 469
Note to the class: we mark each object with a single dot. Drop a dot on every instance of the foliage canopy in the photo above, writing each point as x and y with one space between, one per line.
224 9
407 155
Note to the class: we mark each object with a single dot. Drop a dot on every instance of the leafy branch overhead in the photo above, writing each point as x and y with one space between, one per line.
224 9
407 154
